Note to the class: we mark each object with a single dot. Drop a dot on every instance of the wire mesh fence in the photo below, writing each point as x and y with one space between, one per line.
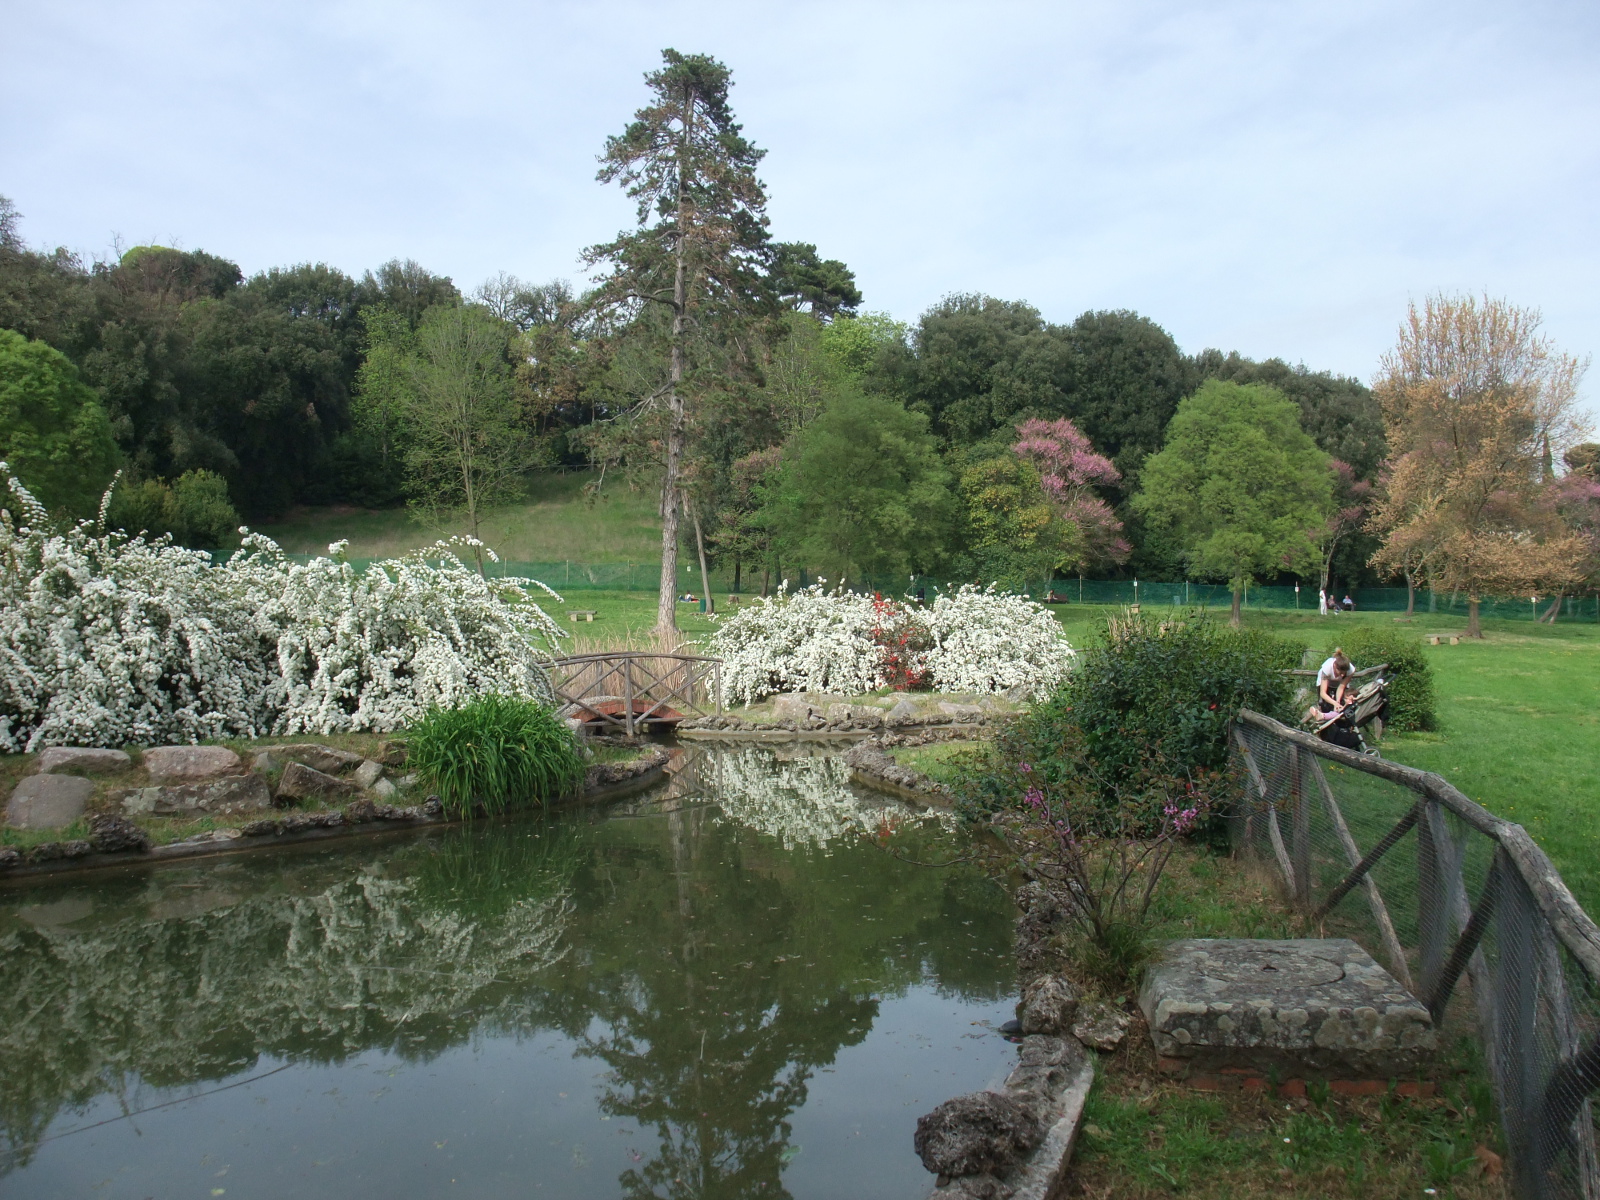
571 576
1462 907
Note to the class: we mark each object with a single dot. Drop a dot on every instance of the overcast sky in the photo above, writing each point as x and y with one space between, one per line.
1275 178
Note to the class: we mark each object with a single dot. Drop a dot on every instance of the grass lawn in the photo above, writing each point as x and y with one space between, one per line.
555 523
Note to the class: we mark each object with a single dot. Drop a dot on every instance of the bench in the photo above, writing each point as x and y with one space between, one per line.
588 614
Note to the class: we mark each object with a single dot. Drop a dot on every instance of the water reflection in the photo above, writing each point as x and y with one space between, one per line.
709 947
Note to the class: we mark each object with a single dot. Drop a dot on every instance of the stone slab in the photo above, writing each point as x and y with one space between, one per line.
48 801
368 773
81 758
1310 1005
318 757
179 764
300 782
228 795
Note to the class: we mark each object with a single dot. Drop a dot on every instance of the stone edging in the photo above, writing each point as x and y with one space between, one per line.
604 781
870 765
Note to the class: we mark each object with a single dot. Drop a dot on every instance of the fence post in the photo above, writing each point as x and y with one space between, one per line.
1300 816
1514 1043
1433 914
627 691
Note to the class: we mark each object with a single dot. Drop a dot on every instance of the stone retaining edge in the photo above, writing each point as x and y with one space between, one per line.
177 851
818 735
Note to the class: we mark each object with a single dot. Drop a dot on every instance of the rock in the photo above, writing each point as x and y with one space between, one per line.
865 716
796 707
54 851
266 762
902 712
433 806
1017 693
1310 1004
384 788
603 775
300 782
360 812
48 801
392 753
111 834
303 821
319 758
81 758
10 856
1042 918
181 763
1049 1005
1100 1026
976 1134
261 828
961 712
225 797
368 773
406 782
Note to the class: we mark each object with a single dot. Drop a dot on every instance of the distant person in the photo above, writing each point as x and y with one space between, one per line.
1333 683
1347 604
1322 601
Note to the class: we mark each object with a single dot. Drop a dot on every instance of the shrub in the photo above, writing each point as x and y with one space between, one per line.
1172 689
1411 695
1151 703
964 641
496 752
110 640
194 509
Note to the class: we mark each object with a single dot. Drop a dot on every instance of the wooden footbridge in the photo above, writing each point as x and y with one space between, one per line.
630 691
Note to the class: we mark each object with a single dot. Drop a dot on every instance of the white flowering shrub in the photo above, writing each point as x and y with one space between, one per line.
991 641
813 640
110 640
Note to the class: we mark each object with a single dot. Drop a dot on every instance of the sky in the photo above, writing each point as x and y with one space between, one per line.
1276 178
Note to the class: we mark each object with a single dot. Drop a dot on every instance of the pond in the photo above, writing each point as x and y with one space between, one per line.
716 988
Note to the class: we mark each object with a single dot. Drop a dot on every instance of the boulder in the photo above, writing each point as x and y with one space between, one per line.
227 796
266 762
1100 1026
392 753
111 833
797 708
319 758
961 712
179 764
903 712
860 714
368 773
48 801
300 782
1049 1005
81 758
984 1132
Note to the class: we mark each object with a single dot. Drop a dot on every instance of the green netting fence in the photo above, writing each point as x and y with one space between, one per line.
568 576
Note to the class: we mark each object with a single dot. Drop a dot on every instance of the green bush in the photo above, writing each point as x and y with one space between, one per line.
1150 704
1411 696
497 752
1173 688
194 509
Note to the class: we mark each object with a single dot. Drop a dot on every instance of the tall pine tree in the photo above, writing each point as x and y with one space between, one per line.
700 250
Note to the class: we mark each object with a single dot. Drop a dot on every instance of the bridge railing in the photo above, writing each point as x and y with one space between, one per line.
1459 903
626 690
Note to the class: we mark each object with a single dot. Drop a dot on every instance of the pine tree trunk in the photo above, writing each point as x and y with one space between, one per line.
667 606
1411 595
705 576
1237 618
1474 630
737 564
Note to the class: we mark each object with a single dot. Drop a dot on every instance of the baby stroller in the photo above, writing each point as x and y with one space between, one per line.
1365 708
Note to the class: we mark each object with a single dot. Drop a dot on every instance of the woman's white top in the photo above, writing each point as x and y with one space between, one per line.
1329 670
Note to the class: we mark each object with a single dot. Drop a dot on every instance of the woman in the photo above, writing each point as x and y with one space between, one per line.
1333 683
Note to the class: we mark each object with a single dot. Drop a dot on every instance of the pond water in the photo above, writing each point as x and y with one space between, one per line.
713 989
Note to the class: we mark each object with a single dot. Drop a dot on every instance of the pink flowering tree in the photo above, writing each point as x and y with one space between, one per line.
1089 533
1351 497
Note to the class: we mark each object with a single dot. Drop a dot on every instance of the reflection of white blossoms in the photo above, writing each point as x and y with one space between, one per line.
201 982
803 803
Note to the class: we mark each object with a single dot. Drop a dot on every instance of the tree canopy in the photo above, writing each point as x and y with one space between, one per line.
1241 484
53 432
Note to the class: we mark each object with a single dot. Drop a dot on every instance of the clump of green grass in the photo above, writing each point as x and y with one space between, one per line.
496 753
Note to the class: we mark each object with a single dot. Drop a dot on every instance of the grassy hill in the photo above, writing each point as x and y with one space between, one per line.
555 522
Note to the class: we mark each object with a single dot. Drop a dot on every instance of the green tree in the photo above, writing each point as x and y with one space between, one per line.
700 251
1010 536
824 287
1242 486
53 432
864 491
465 447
